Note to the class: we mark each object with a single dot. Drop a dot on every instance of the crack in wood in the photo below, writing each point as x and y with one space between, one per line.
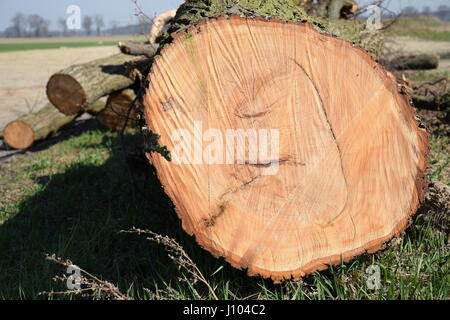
241 187
210 222
273 162
322 105
255 115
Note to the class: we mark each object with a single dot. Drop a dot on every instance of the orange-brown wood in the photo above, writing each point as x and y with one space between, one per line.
351 153
18 134
117 111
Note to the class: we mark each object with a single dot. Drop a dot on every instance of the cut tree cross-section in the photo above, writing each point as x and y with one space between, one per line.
351 155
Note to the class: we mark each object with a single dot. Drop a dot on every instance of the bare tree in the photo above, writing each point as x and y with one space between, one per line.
443 12
19 22
38 25
144 24
87 24
426 11
410 11
99 23
114 26
63 26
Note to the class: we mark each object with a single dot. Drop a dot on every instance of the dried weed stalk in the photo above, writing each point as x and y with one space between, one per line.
90 285
177 254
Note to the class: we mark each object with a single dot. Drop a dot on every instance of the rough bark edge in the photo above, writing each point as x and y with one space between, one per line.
403 100
191 13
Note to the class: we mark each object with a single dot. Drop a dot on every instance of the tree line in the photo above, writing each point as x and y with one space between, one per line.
34 25
442 12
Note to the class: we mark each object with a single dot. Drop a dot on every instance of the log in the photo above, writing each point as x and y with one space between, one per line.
138 48
414 62
73 89
25 131
341 8
117 110
160 24
432 95
290 149
432 103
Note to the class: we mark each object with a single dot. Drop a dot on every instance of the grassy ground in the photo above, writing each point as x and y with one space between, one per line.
55 45
20 44
419 27
421 76
72 196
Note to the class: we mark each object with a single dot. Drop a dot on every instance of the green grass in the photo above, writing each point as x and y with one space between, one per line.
439 159
75 196
443 36
9 47
421 76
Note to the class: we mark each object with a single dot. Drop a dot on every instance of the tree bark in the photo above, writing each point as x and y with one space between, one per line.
286 10
160 24
118 110
138 49
73 89
290 149
23 132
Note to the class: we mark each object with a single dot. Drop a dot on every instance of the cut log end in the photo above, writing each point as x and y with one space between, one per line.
348 173
117 110
18 135
66 94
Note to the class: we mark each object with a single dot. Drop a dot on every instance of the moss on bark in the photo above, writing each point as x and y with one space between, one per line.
193 11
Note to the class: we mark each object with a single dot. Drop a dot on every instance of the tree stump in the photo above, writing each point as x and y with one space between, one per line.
328 156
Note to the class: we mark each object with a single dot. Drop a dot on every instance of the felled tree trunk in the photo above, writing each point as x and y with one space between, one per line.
160 23
138 48
414 62
432 103
341 8
23 132
118 110
432 95
290 149
73 89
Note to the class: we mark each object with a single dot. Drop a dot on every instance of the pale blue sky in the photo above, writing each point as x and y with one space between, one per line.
122 11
